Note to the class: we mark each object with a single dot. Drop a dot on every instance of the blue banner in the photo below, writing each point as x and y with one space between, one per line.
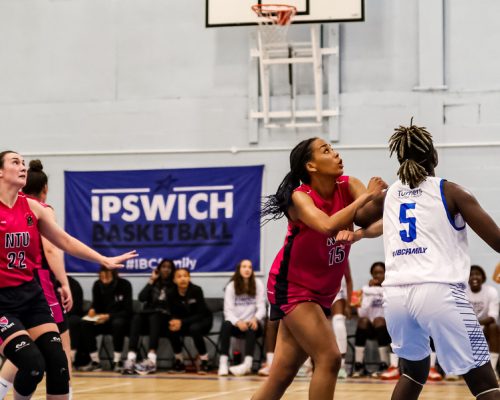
205 219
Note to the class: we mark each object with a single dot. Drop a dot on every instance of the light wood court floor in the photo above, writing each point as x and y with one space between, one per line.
109 386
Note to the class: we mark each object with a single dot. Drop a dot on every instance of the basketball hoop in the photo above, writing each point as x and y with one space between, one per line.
274 20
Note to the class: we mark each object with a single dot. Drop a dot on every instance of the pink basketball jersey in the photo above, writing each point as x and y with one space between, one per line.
310 266
20 250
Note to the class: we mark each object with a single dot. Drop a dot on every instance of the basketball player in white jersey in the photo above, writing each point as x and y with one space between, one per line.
427 269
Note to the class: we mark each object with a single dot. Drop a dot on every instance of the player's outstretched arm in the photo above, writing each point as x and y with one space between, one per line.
305 209
459 200
50 230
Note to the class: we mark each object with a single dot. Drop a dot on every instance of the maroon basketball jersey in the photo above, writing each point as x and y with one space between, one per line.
310 266
20 250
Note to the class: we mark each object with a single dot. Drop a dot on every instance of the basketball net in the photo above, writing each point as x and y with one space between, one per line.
274 20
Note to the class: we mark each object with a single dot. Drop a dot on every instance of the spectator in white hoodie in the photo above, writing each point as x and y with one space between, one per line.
244 313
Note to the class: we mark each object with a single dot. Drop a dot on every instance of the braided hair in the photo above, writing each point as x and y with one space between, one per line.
415 151
276 205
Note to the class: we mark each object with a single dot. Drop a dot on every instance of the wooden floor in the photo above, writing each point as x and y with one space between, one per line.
110 386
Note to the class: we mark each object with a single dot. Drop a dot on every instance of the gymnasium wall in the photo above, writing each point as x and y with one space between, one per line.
111 85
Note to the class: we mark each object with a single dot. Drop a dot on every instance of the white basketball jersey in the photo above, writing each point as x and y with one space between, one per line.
422 241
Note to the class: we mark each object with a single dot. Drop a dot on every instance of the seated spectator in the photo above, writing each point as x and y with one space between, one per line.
371 323
190 317
484 300
153 319
244 313
109 314
74 316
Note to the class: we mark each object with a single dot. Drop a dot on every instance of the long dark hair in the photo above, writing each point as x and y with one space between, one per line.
416 154
276 205
239 282
36 180
170 279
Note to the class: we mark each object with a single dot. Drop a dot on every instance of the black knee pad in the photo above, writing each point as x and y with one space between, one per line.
361 336
383 337
416 370
29 361
50 344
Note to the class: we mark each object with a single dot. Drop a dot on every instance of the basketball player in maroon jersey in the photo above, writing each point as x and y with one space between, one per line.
320 204
28 335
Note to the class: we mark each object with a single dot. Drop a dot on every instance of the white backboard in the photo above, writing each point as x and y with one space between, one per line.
239 12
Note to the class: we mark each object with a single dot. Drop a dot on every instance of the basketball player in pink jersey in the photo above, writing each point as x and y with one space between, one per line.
427 267
28 335
51 277
320 204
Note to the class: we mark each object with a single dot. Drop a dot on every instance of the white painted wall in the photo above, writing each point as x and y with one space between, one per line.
81 78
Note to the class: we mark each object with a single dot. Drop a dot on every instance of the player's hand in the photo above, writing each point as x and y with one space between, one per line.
344 237
102 318
117 262
242 326
376 185
66 297
253 324
175 325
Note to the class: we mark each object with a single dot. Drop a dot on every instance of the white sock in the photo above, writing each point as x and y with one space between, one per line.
342 362
73 355
132 356
116 356
179 357
70 394
248 361
223 360
359 353
339 328
433 359
152 357
383 352
94 356
494 360
269 358
5 385
204 357
394 360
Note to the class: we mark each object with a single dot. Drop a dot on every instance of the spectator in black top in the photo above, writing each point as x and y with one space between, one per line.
190 317
74 316
109 313
152 319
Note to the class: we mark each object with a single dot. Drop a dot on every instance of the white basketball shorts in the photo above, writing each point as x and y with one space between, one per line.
439 310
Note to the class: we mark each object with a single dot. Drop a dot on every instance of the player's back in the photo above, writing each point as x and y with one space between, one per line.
422 241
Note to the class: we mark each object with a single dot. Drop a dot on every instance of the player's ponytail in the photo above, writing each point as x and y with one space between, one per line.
36 180
415 151
276 205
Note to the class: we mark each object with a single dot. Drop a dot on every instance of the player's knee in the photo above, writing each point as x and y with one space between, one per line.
328 360
417 371
363 323
481 380
29 361
50 345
